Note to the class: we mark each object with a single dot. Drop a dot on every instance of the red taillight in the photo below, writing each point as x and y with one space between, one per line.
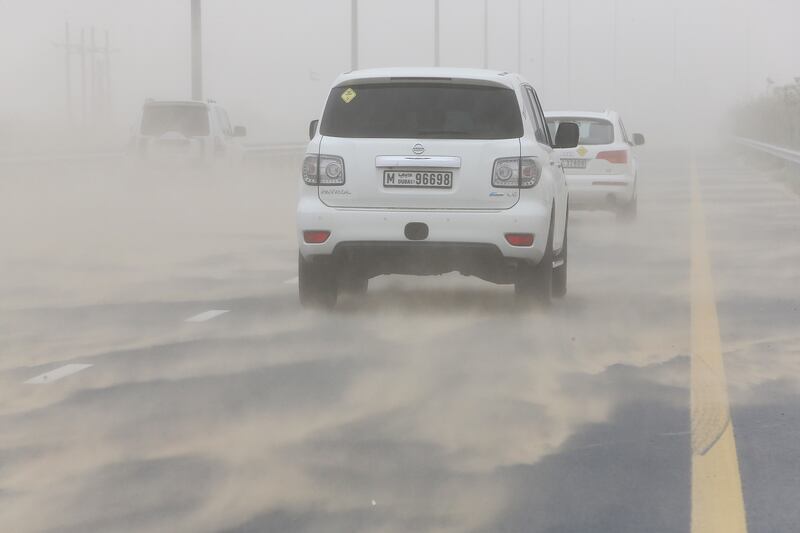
520 239
316 236
617 157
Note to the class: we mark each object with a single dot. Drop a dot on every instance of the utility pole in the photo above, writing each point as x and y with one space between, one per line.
486 34
436 57
353 34
197 51
95 85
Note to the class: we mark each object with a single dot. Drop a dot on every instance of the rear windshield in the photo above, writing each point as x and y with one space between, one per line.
592 130
188 120
422 111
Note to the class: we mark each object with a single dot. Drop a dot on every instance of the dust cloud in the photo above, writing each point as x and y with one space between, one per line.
419 408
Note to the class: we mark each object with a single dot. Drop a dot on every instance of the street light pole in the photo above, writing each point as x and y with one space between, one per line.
83 76
486 34
519 36
614 52
353 34
107 81
436 57
675 45
544 41
197 51
68 72
748 48
92 76
569 52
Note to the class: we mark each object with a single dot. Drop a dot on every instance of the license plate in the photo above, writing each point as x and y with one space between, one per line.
418 179
573 163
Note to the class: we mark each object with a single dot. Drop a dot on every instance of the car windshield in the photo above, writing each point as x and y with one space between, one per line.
422 111
593 131
190 120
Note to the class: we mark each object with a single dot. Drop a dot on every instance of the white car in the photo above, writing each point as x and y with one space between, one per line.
602 170
185 133
427 171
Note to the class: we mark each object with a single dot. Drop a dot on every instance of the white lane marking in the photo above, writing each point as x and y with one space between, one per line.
292 281
206 315
58 373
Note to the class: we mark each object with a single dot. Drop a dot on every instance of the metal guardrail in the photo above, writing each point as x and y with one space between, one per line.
250 151
54 158
786 154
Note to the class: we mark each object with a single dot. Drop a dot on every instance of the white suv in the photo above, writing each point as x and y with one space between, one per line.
428 171
602 170
186 133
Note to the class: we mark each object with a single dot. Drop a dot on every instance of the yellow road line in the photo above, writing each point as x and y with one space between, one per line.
717 501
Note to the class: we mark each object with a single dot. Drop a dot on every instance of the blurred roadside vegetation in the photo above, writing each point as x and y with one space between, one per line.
773 117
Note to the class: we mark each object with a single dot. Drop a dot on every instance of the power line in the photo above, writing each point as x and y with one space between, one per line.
95 89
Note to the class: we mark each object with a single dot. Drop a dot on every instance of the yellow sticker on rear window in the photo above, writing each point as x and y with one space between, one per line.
349 95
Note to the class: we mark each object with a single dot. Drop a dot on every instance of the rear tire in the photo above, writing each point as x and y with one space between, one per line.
560 273
318 283
535 282
628 212
355 285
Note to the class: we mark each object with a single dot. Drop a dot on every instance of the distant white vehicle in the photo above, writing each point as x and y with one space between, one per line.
602 171
426 171
186 133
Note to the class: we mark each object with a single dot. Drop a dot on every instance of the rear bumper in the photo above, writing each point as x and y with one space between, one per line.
472 242
370 259
600 191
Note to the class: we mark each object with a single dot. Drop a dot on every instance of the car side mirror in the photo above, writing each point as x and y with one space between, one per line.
239 131
312 129
567 135
638 139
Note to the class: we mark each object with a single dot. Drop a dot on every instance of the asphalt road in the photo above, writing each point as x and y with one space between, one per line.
432 405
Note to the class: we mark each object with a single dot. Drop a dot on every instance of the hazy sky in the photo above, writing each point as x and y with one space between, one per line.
271 62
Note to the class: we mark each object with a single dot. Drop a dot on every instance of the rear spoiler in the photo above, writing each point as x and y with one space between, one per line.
422 80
